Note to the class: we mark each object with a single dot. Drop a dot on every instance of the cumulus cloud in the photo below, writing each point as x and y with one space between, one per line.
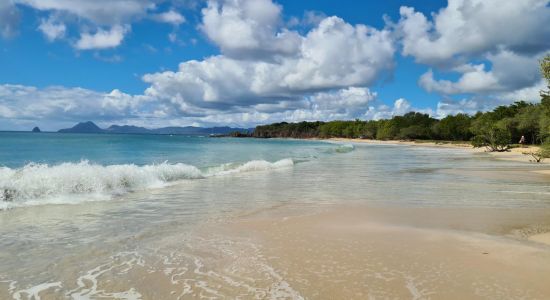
348 102
476 80
102 39
9 18
469 106
60 104
245 28
480 102
101 12
342 104
172 17
493 47
24 106
264 66
509 72
109 19
473 27
52 29
400 107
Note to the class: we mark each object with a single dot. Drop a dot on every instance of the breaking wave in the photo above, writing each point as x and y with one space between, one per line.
36 184
345 148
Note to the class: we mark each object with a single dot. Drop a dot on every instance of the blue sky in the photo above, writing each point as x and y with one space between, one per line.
247 62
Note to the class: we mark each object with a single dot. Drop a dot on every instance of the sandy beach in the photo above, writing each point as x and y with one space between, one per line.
358 252
514 154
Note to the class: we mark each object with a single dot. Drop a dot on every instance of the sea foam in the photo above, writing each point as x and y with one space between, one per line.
36 184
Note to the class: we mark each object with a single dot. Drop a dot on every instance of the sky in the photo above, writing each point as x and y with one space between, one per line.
242 63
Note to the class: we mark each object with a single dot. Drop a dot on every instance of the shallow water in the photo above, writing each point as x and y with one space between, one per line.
152 239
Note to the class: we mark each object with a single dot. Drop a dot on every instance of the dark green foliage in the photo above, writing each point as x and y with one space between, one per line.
292 130
495 130
494 139
454 128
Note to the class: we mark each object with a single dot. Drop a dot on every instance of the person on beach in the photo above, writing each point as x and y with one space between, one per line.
522 141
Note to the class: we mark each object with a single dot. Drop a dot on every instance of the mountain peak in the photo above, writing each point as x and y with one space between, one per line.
83 127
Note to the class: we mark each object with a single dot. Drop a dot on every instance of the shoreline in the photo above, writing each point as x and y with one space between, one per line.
514 154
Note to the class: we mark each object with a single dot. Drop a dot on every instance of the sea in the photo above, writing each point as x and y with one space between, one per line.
93 216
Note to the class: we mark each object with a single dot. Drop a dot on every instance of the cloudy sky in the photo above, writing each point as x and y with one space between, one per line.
246 62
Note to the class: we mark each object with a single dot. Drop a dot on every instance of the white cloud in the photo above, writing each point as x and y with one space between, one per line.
509 72
22 107
269 73
172 17
51 29
341 104
473 27
9 19
100 12
102 39
248 28
92 18
493 46
350 102
274 75
68 105
477 80
477 103
530 93
400 107
466 106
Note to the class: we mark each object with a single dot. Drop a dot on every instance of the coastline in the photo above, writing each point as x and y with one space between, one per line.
515 154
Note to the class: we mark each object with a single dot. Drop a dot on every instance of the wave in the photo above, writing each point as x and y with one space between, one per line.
36 184
345 148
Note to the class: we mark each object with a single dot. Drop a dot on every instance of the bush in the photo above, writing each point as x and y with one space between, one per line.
494 139
542 153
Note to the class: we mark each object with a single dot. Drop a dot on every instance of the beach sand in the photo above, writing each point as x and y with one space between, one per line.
541 238
514 154
364 252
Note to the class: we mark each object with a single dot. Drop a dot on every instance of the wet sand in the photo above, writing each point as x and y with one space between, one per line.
514 154
364 252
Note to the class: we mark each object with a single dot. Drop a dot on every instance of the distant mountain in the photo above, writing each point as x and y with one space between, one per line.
90 127
36 129
84 127
127 129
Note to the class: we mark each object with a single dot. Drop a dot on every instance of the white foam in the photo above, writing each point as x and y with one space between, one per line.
34 292
254 165
88 287
69 183
345 148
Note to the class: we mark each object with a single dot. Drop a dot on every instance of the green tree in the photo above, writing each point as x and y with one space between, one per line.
545 72
528 123
493 138
454 128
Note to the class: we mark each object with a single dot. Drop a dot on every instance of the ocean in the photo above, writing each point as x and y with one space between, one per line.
88 216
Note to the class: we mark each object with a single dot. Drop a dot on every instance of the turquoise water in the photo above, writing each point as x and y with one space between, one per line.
121 216
19 149
53 168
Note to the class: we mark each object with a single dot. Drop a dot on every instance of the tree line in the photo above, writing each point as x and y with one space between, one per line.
495 129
